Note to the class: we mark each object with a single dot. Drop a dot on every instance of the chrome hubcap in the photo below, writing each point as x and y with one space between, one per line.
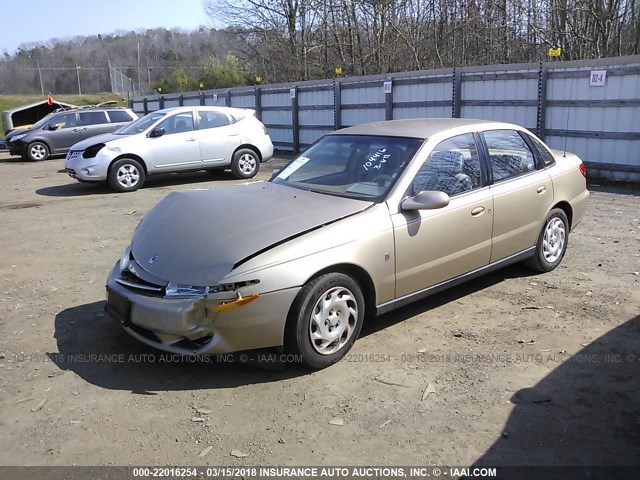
247 164
128 175
553 240
38 152
333 320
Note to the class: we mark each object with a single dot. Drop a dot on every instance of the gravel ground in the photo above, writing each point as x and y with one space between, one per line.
510 369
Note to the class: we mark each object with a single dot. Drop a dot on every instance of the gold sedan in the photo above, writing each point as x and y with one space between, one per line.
368 219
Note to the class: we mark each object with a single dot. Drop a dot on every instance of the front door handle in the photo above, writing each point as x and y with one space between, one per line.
477 211
191 139
541 189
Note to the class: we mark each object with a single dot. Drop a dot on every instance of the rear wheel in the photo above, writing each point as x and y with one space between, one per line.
552 242
245 163
325 320
37 151
126 175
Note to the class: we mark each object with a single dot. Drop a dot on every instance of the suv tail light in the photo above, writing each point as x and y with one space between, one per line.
583 170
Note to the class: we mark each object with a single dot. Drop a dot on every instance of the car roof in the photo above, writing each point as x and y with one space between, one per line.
202 107
420 128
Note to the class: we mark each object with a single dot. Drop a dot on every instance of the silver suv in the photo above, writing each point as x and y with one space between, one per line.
58 131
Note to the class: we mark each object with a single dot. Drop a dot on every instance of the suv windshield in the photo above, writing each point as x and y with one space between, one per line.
141 124
357 166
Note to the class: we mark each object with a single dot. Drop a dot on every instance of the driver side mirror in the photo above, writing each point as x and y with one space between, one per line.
52 126
156 132
426 200
275 173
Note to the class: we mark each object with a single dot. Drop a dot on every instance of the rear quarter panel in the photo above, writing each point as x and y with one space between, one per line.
569 185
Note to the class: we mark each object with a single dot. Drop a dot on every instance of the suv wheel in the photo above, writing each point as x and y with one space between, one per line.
245 163
37 151
126 175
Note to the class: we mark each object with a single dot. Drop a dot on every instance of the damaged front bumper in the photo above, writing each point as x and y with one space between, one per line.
197 326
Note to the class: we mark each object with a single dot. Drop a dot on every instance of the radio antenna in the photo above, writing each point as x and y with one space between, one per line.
566 128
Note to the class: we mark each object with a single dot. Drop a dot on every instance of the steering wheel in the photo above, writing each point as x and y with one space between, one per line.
383 180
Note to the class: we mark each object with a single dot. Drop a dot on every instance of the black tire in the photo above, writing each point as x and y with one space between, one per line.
37 151
117 177
245 163
552 242
335 287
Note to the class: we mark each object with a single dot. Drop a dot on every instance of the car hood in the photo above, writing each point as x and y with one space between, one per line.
195 237
103 138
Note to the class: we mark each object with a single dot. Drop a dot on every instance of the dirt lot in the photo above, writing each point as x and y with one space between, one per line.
523 369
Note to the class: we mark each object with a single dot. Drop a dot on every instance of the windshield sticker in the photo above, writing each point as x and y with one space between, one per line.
377 159
295 165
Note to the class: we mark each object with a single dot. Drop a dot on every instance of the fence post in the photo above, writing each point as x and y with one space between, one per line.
388 99
457 93
541 127
144 106
161 102
258 102
293 92
227 98
202 99
180 100
337 104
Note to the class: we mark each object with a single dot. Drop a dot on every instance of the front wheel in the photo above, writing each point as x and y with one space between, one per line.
325 320
37 151
126 175
552 242
245 163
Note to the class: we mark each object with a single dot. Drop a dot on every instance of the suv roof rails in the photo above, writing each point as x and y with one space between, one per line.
107 104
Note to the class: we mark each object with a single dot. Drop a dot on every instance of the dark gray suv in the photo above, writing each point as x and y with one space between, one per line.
58 131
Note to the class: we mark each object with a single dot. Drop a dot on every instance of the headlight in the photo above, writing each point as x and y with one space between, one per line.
179 290
17 137
125 259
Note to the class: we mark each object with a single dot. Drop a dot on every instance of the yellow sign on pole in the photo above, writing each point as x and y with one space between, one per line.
338 70
258 79
201 84
555 51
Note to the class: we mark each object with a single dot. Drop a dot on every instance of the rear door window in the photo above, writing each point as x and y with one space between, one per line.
509 154
119 116
92 118
209 119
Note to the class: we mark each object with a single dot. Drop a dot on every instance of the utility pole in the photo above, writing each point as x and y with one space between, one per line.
78 67
139 80
40 75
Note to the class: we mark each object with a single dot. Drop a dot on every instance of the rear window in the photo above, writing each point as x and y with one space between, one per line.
119 116
92 118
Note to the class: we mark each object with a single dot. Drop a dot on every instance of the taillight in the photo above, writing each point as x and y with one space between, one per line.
583 170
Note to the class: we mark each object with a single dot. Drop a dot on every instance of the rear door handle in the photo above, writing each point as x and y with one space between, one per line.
477 211
541 189
191 139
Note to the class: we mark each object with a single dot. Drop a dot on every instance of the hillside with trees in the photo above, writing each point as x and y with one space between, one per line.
282 40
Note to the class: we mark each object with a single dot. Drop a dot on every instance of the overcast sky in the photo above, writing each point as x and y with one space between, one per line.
42 20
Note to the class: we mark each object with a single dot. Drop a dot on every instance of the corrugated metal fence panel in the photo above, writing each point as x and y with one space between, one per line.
153 105
315 110
482 89
354 98
423 92
212 102
564 113
246 99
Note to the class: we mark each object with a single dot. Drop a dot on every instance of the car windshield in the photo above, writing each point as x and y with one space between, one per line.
141 124
356 166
